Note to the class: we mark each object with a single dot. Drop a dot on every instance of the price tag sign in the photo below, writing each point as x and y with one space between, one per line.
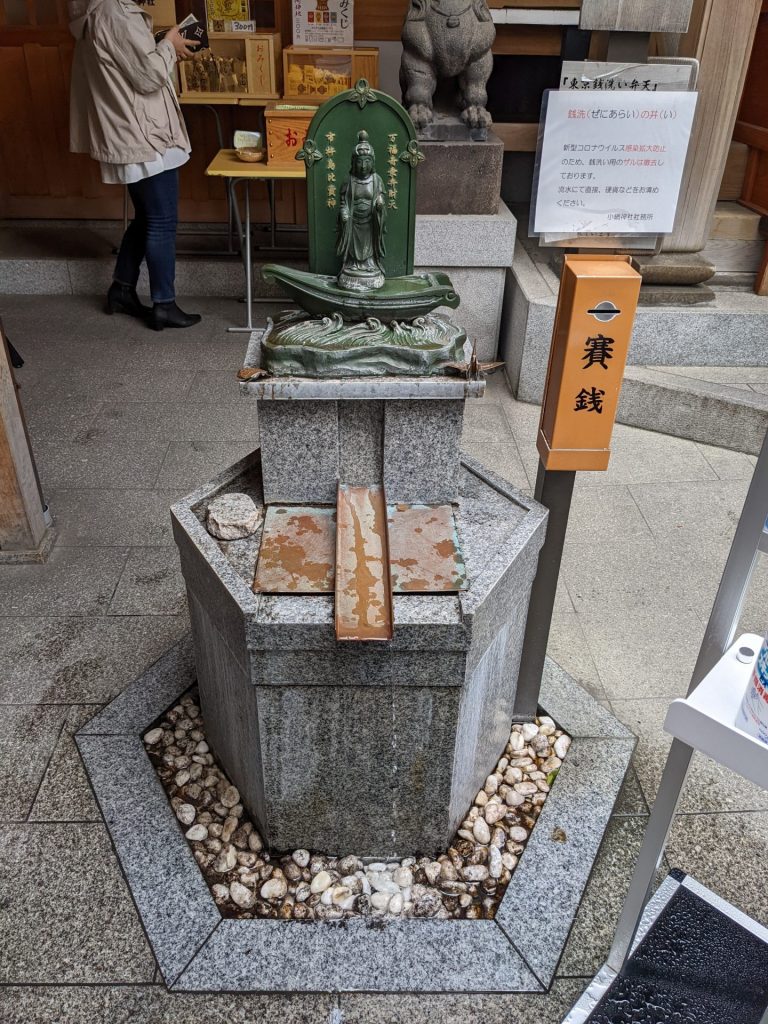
612 162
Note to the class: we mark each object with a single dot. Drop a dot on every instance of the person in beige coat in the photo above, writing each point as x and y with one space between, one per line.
125 114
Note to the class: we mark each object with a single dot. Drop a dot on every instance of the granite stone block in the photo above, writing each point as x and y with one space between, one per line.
576 711
552 874
460 177
358 667
32 277
361 443
67 914
429 956
232 714
421 450
176 907
466 240
299 451
76 659
481 290
28 736
321 798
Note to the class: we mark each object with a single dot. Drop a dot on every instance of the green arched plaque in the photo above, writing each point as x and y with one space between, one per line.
328 151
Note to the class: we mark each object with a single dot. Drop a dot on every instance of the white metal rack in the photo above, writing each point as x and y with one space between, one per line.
705 719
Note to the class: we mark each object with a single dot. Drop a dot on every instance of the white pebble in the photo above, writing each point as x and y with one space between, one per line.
182 778
380 900
254 842
481 799
491 784
494 813
481 831
382 883
186 813
274 888
495 864
516 741
514 799
432 871
518 834
396 904
474 873
153 736
230 796
528 731
197 833
320 882
402 877
527 788
562 743
242 896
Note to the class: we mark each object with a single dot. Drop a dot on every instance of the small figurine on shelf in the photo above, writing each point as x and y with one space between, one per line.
227 75
295 79
196 78
212 72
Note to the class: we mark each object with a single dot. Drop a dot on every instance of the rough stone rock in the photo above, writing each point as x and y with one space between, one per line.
186 813
226 861
562 743
303 892
242 896
233 517
481 831
320 882
300 858
230 797
274 888
153 736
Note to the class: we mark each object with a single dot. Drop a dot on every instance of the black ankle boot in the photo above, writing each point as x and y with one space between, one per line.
122 298
168 314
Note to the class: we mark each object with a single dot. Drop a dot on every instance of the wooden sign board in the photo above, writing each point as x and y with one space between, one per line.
590 342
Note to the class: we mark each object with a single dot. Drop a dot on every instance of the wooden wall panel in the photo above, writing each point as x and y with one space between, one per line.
635 15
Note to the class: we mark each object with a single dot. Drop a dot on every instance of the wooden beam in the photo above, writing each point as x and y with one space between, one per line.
721 39
517 138
23 530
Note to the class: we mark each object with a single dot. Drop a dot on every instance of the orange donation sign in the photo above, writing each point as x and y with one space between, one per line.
593 328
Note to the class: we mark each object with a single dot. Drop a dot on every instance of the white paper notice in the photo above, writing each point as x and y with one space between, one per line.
612 162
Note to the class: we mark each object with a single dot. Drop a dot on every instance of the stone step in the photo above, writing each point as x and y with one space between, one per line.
732 220
674 400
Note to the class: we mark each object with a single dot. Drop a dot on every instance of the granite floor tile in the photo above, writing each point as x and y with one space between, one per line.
230 421
595 924
673 510
725 852
67 914
188 464
218 383
640 456
152 1004
709 787
499 1008
502 458
79 660
130 379
51 421
92 459
575 711
106 518
641 630
73 581
151 584
484 420
631 800
28 735
65 793
727 464
721 374
608 515
568 646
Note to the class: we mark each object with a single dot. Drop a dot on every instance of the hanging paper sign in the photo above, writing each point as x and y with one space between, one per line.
612 162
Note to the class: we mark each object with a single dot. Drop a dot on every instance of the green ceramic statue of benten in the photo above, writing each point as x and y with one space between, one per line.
363 311
362 222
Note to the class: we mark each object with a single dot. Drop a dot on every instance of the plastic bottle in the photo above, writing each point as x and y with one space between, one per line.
753 714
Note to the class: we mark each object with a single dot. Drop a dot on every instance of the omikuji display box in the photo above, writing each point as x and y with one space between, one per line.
235 65
317 74
287 127
323 22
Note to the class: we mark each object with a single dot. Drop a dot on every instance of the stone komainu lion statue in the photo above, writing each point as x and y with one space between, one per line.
447 39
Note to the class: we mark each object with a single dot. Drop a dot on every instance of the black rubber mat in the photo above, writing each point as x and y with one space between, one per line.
696 965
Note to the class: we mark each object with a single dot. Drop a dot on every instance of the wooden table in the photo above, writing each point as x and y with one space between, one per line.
227 165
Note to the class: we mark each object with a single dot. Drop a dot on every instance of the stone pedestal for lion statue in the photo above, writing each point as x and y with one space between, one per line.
446 64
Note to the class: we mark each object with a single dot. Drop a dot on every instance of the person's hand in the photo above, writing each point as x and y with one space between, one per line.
183 47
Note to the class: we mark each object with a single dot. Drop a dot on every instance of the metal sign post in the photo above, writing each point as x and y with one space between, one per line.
593 328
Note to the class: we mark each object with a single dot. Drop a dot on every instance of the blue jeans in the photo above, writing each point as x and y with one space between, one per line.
151 235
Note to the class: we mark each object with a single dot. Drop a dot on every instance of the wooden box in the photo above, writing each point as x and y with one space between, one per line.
162 13
236 66
287 127
317 73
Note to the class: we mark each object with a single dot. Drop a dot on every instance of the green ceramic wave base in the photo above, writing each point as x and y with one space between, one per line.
298 345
